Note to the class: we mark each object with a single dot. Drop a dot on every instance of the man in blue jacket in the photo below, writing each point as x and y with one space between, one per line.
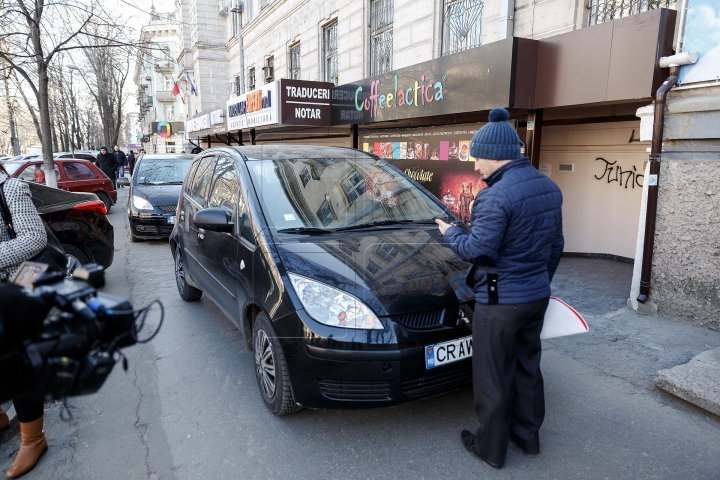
514 246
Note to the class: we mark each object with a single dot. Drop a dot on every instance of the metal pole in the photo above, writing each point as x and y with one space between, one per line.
240 46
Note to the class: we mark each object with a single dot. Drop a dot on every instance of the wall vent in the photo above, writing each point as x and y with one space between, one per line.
566 167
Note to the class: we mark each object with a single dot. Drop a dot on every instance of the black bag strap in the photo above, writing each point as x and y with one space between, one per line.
5 212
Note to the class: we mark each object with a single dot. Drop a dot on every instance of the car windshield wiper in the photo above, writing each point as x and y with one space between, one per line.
380 223
305 230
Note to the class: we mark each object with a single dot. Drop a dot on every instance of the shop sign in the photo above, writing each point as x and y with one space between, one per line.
217 116
474 80
305 103
165 129
198 123
254 109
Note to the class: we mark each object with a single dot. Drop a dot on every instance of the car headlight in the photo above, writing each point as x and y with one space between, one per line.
333 307
141 204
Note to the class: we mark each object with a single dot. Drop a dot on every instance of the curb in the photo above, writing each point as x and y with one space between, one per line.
696 382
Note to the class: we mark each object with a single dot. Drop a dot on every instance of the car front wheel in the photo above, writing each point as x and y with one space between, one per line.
187 292
271 369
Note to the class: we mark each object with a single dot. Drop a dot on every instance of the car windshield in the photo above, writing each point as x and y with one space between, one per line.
12 167
313 195
162 171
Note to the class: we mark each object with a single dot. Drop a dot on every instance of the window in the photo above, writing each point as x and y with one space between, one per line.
78 171
36 173
325 214
381 36
387 252
238 90
201 180
330 52
305 176
294 61
354 186
602 11
373 267
235 21
251 80
462 25
269 69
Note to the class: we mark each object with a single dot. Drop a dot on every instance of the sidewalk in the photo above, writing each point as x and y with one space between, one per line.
631 346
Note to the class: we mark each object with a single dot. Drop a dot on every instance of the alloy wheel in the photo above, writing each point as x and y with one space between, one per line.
265 363
179 273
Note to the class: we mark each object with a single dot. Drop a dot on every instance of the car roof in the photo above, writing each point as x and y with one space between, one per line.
288 152
168 156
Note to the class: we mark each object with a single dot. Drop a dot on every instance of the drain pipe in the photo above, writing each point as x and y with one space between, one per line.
673 62
652 181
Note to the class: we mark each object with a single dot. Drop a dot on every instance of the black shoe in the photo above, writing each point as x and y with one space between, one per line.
468 440
532 452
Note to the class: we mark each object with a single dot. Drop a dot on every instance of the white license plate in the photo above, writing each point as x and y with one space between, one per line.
448 352
171 219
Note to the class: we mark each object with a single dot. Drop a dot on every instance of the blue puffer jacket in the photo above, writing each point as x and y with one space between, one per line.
516 237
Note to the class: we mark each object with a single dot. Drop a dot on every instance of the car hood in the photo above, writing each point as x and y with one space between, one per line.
159 195
392 270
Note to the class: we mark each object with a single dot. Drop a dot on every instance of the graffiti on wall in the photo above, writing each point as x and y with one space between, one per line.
615 173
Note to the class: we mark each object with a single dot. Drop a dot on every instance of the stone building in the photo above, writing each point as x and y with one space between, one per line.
162 114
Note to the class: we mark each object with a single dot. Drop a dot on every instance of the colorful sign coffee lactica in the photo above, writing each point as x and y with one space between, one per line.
254 109
477 79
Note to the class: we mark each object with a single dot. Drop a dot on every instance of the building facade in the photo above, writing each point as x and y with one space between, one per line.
162 112
575 86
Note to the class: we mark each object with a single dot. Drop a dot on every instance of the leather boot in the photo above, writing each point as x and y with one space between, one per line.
32 445
4 420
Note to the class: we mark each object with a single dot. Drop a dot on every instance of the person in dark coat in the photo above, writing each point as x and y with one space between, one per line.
514 247
122 161
108 163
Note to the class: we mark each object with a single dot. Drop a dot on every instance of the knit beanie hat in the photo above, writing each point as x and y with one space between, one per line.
497 140
103 147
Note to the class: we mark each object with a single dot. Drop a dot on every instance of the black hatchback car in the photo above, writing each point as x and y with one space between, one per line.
154 190
330 263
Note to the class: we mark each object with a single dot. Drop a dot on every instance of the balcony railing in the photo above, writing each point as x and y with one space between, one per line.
602 11
164 96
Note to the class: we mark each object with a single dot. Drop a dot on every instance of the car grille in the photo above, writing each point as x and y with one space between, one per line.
341 390
440 381
150 230
168 208
429 318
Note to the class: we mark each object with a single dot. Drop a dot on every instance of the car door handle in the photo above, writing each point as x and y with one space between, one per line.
201 233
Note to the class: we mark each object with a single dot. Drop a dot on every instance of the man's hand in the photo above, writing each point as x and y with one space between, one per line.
442 226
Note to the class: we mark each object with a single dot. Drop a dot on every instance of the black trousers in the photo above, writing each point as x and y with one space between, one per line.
28 409
507 383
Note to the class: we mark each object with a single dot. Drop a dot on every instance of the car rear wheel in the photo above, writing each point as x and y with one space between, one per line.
187 292
105 199
79 255
271 369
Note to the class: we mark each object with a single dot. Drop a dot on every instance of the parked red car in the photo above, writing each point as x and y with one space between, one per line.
73 175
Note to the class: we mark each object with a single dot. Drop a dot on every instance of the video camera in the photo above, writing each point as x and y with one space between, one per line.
72 351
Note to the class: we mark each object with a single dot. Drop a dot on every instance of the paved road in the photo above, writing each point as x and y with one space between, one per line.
189 406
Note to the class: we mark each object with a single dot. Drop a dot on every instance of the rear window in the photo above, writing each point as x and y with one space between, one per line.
12 167
162 171
78 171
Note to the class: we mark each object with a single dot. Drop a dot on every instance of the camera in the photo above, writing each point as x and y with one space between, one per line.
74 349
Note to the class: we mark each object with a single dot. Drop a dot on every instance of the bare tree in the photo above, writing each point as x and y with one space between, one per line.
109 66
32 34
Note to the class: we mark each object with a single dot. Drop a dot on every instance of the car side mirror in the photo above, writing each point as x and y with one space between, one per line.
213 219
123 182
